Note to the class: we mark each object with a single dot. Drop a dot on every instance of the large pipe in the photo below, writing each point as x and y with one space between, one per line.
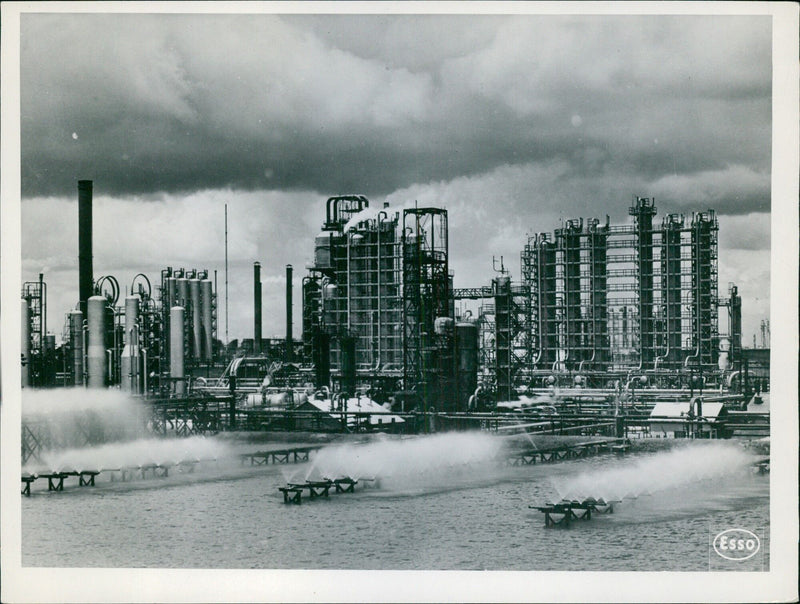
256 307
176 347
26 342
96 349
288 313
207 297
197 310
85 273
129 380
76 344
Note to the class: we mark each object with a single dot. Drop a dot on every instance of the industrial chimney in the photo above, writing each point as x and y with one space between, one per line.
85 273
288 313
257 307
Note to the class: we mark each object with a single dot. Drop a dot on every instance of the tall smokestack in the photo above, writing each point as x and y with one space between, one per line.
288 313
257 307
85 273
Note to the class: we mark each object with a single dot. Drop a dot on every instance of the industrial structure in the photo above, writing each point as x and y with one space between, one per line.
599 303
377 305
149 344
599 307
614 298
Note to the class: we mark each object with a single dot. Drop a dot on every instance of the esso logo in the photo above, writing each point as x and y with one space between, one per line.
736 544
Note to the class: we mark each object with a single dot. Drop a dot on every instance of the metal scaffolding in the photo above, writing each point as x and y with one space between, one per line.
504 330
382 278
615 298
426 291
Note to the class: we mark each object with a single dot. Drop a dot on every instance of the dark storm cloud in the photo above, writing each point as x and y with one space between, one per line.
512 123
374 104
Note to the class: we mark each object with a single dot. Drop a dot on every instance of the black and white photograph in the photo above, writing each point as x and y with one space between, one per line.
297 295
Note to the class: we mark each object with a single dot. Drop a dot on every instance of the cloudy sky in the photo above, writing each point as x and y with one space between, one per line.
510 122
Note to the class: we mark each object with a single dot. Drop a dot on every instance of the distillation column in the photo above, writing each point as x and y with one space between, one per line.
735 329
672 226
569 239
597 237
129 379
704 285
643 212
176 348
96 349
545 284
195 311
207 303
502 340
76 346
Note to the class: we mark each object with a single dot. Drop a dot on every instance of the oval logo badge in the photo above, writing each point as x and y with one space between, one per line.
737 544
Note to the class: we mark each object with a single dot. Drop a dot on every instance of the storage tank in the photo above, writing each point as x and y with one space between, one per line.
467 361
76 345
196 318
96 349
170 293
176 370
182 298
207 302
25 321
129 378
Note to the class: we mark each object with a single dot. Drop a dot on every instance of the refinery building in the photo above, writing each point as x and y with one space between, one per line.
597 305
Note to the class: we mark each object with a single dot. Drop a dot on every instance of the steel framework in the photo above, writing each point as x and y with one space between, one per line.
615 298
504 327
426 291
382 278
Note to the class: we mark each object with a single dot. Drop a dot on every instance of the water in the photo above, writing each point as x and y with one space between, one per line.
444 504
224 516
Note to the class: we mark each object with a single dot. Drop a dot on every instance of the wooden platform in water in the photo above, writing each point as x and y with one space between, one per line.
280 456
86 478
565 451
565 511
293 491
55 480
